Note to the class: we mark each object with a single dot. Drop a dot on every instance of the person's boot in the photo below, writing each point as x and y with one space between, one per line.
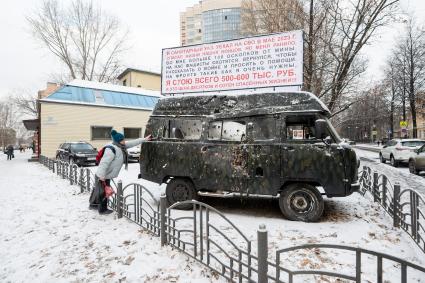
104 212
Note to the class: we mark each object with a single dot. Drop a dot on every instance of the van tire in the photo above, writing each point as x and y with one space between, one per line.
180 189
301 202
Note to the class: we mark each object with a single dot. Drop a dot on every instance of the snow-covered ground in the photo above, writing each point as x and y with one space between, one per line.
353 221
49 235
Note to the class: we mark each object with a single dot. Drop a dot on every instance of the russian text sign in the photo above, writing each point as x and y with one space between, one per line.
255 62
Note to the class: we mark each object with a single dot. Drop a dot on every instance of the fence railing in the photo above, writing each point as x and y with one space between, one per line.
406 207
212 239
82 177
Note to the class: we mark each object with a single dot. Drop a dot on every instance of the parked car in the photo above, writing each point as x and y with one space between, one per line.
80 153
134 154
272 144
417 161
399 150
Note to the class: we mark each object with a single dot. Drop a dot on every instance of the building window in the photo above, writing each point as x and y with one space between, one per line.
100 133
139 86
124 82
132 133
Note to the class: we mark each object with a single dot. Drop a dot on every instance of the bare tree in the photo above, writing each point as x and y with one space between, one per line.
353 23
390 81
369 113
337 32
25 102
8 121
409 55
88 41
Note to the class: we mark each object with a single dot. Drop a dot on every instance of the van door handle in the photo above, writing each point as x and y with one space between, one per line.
290 148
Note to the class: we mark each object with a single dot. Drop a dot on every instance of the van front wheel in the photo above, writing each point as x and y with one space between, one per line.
179 189
301 202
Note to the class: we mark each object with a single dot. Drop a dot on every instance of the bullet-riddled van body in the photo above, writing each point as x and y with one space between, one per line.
272 144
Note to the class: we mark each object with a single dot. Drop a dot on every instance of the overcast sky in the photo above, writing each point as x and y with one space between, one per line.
153 25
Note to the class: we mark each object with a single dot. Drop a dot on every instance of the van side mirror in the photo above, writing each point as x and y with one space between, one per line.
321 129
328 140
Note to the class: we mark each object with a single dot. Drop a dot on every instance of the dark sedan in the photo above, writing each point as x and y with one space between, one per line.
80 153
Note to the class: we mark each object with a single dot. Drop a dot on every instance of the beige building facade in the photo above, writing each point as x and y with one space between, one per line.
88 111
141 79
72 122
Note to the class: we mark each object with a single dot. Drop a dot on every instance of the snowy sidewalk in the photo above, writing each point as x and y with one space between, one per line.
49 235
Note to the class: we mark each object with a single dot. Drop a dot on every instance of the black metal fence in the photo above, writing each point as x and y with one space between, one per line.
406 207
208 236
82 177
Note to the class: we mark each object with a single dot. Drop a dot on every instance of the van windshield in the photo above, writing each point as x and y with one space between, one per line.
333 131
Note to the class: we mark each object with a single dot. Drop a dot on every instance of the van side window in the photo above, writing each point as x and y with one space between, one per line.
185 129
264 128
300 128
227 130
214 130
157 128
233 131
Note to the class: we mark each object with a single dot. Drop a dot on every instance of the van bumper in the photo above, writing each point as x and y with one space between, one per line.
355 187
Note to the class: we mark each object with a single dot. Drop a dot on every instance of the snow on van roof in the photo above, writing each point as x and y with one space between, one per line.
232 102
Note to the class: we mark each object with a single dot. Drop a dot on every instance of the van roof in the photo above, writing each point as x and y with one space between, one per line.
235 105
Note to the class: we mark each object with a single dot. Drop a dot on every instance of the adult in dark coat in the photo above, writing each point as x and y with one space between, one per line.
9 152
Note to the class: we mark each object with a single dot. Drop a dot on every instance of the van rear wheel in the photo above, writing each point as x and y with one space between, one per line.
180 189
301 202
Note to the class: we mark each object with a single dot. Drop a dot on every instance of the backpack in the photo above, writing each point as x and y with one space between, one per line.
102 151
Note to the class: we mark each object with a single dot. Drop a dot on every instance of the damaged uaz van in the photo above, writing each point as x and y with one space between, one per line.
269 144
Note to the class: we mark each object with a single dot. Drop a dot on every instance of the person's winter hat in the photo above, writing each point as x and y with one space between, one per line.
116 137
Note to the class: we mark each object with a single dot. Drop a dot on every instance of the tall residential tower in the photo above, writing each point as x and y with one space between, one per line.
210 21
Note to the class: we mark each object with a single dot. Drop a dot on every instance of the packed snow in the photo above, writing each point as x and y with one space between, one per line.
49 235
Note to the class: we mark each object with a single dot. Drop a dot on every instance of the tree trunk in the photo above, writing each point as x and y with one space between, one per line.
392 107
412 99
